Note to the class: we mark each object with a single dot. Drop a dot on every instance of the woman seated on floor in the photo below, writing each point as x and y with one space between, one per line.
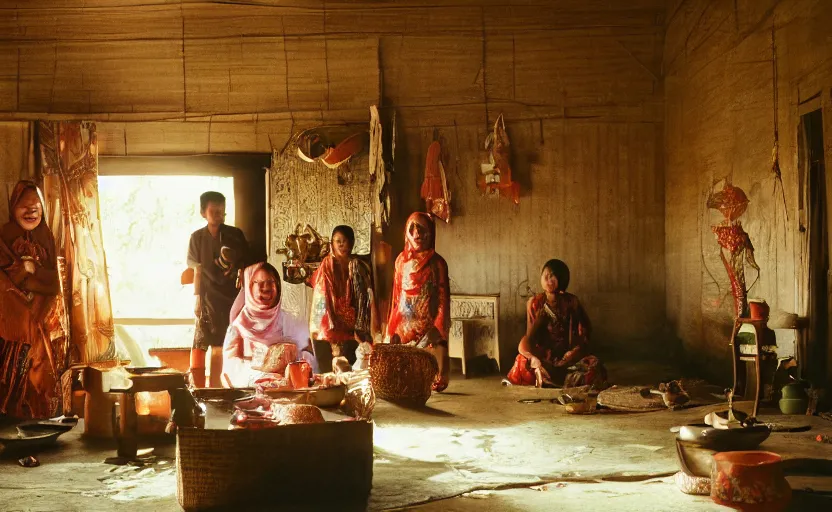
420 314
341 303
261 339
557 337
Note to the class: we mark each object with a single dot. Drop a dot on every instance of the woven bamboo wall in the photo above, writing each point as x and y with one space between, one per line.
720 121
579 82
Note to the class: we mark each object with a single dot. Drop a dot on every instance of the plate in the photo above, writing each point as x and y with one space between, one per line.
61 425
321 397
29 439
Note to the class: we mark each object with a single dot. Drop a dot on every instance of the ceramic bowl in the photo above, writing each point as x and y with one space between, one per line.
745 438
694 460
61 425
793 405
28 439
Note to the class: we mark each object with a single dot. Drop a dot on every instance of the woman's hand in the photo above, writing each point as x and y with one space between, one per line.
29 266
541 375
197 307
17 272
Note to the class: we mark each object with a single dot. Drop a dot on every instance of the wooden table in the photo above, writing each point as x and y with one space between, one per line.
125 422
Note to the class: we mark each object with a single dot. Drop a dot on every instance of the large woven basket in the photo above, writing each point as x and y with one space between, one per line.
400 373
309 467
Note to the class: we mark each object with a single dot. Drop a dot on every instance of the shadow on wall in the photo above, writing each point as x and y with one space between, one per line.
710 363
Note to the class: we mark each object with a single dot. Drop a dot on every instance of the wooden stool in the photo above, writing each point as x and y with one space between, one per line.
760 327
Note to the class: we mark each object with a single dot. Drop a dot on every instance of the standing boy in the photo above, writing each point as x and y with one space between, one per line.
216 252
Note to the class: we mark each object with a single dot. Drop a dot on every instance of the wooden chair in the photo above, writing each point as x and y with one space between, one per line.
755 355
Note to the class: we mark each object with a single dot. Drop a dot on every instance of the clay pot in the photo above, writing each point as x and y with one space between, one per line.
758 309
750 481
794 390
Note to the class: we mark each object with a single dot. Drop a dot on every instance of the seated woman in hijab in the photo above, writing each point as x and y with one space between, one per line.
341 303
261 340
555 349
29 286
421 310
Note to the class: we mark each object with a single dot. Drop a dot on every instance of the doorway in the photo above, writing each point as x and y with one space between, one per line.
811 156
149 208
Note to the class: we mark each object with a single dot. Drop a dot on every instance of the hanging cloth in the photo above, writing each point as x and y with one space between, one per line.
435 187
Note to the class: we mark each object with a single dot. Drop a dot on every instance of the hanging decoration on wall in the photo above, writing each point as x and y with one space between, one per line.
495 175
334 146
379 176
435 187
732 202
304 250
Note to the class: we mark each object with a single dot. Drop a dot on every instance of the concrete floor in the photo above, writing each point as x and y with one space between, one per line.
474 447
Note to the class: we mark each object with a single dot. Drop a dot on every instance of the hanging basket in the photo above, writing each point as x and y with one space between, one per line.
401 373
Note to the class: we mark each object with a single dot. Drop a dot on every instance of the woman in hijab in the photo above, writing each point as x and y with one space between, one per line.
341 302
420 313
28 287
257 324
557 337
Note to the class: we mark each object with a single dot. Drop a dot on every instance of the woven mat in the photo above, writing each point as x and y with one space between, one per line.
633 399
630 399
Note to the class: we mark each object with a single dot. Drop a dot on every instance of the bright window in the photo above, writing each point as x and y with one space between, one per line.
146 223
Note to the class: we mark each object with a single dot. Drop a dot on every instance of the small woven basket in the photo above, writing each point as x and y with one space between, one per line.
401 373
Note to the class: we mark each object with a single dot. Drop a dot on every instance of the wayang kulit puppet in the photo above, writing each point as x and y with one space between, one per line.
736 249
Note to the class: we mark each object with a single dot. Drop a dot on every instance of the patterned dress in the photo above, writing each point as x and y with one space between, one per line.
33 348
421 294
560 341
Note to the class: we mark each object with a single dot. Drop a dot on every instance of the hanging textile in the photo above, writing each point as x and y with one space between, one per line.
435 187
69 170
495 176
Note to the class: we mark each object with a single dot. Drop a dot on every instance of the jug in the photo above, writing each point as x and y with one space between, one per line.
299 374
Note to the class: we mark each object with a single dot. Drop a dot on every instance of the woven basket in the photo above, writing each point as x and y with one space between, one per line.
300 465
400 373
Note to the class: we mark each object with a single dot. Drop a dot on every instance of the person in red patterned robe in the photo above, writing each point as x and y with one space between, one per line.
421 310
557 337
341 302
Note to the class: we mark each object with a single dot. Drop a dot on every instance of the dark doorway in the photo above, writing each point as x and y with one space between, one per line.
814 360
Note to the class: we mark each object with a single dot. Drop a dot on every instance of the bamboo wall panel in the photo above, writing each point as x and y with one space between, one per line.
579 82
87 77
720 122
593 195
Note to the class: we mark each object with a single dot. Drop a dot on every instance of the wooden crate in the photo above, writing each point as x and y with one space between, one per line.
307 465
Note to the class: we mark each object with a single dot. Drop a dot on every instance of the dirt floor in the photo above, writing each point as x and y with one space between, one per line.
475 447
